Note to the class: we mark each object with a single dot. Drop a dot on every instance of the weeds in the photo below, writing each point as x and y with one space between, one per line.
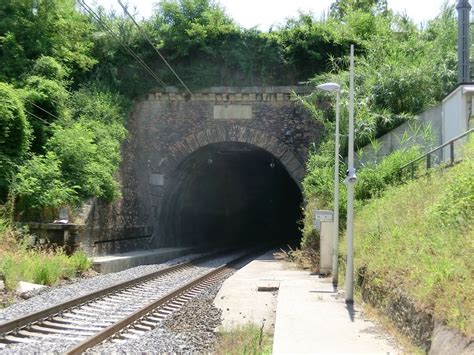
305 258
44 267
40 266
248 339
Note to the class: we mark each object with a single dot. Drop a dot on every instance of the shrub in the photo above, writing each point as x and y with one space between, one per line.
14 135
46 100
88 143
89 155
49 68
39 184
373 179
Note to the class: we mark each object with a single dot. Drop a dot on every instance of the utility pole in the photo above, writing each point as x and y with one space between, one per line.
350 180
464 8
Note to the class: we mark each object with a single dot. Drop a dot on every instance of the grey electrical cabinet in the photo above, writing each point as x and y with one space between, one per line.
324 223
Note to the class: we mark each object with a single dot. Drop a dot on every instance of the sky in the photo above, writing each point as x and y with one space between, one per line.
264 13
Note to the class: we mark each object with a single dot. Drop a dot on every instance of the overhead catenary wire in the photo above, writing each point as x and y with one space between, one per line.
124 46
143 33
42 109
37 117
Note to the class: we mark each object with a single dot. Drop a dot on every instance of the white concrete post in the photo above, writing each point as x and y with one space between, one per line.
350 190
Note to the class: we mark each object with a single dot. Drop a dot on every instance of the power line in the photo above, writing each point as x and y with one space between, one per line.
126 47
42 109
37 117
154 47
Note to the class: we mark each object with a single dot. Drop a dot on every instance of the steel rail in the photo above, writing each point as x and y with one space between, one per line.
115 328
149 316
37 316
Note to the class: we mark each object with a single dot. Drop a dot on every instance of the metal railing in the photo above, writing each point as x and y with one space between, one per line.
428 156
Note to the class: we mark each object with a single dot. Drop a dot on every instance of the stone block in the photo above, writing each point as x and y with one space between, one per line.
232 112
24 287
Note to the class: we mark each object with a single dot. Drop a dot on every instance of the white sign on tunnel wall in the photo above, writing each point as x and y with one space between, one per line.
156 179
232 112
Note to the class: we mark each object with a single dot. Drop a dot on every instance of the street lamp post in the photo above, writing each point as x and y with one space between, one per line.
351 179
336 88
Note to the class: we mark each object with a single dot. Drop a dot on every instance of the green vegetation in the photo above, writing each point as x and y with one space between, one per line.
67 84
68 70
248 339
81 156
372 180
19 262
14 134
401 70
29 30
419 239
41 266
415 237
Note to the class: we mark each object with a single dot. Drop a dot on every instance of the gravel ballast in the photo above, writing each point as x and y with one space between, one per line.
189 330
57 294
169 337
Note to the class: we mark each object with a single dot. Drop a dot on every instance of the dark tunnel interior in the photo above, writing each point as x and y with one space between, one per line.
227 194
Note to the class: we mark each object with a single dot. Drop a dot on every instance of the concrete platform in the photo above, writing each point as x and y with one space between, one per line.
308 316
240 300
118 262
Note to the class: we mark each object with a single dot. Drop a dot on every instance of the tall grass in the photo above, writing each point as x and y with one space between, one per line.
419 237
41 266
44 267
248 339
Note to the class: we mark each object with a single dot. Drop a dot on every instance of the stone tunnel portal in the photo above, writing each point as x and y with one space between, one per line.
230 193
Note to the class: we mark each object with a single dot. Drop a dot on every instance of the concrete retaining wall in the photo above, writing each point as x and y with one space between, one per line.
426 130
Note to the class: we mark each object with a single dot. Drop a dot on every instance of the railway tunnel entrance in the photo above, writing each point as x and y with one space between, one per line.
220 167
230 193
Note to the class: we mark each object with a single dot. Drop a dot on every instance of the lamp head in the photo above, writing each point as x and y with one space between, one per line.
351 176
329 87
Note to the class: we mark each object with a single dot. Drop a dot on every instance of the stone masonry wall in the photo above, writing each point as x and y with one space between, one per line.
168 126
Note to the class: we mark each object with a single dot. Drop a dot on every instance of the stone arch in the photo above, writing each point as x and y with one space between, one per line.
290 159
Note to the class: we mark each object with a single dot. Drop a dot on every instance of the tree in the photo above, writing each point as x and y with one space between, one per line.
184 25
14 135
39 185
30 29
341 8
88 143
46 100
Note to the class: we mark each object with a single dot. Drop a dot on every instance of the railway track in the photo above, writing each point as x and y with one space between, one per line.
117 313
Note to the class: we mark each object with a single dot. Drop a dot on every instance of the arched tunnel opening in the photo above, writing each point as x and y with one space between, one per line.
228 194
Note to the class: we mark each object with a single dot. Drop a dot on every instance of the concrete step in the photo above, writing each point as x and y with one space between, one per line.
118 262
